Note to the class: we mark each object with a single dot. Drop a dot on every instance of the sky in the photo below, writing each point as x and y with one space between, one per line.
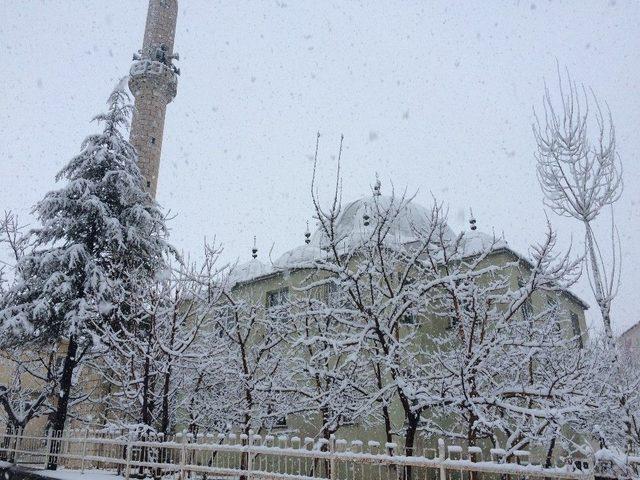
435 97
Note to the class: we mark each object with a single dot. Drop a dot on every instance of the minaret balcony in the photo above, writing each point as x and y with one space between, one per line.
158 76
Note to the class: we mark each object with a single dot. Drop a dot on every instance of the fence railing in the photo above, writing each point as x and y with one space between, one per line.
254 456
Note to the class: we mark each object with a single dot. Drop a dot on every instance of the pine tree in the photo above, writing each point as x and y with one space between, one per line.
101 240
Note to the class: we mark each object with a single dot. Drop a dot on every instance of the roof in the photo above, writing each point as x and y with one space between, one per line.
631 330
352 227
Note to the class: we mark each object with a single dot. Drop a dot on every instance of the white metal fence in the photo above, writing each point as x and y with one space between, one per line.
284 458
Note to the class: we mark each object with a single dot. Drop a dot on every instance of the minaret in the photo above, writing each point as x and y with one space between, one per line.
153 82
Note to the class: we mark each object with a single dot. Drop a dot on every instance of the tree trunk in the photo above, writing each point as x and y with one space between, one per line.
165 420
599 288
410 440
62 407
549 461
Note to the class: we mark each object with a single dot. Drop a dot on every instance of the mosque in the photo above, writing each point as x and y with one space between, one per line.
154 80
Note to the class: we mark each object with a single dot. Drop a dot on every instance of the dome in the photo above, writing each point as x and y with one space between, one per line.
244 272
352 227
475 242
299 257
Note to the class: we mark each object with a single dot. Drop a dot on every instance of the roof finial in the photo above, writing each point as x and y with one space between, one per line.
376 186
307 235
472 220
254 250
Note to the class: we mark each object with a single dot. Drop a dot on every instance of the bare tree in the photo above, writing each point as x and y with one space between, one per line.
144 356
580 174
333 382
13 240
31 375
505 371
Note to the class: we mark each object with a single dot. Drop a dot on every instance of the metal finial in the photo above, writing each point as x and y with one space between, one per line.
472 221
254 250
377 186
366 217
307 235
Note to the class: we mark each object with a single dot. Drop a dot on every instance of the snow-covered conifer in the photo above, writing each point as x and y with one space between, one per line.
100 237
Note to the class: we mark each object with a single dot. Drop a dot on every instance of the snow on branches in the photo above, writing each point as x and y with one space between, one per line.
101 240
447 333
580 173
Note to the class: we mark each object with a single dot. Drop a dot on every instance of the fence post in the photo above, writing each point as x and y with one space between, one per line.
592 466
442 456
332 460
183 455
84 449
249 455
48 447
127 468
17 444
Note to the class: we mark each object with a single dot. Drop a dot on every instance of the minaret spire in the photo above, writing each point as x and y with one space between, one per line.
153 82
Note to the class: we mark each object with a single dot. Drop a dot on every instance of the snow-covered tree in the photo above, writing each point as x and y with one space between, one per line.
244 381
449 331
377 266
101 237
13 244
146 356
580 173
31 375
332 381
506 372
615 422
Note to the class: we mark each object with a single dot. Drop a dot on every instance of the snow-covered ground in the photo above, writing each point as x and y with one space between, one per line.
64 474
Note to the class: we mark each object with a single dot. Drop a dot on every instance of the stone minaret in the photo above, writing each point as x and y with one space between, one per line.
153 82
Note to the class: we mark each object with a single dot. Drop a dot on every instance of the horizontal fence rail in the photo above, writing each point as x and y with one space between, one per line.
252 456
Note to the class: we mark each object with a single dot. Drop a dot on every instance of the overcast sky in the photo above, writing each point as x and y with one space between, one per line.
436 97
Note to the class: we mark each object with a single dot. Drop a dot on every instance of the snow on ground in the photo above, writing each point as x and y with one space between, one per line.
64 474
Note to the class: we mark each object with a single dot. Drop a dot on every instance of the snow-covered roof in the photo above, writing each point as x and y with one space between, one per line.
299 257
250 270
352 228
475 242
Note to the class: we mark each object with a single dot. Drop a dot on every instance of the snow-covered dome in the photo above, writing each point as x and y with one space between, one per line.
248 271
475 242
299 257
356 221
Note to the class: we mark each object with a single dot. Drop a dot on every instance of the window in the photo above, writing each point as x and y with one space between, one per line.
278 297
275 300
409 318
279 422
153 140
577 332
